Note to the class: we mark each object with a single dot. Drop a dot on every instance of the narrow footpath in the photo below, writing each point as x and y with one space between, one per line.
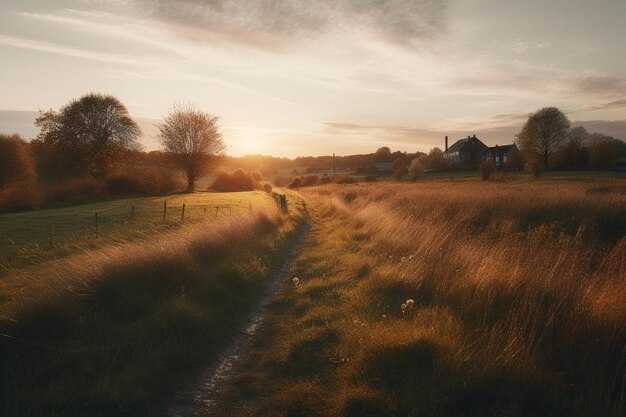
213 379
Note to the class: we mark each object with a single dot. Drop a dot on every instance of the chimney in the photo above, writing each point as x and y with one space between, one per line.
446 143
468 136
474 137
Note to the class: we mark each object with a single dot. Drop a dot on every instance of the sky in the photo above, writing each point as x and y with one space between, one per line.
301 77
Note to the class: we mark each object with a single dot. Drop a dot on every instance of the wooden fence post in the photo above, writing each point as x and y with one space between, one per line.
164 211
97 225
182 216
132 212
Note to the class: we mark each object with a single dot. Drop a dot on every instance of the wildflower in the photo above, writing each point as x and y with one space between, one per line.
296 281
403 259
409 303
403 307
384 316
410 257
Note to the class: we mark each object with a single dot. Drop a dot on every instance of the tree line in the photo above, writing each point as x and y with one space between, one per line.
95 138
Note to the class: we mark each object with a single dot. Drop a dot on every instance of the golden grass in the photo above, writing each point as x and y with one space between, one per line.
119 330
519 305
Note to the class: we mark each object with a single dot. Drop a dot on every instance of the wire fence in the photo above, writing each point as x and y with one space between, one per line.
46 234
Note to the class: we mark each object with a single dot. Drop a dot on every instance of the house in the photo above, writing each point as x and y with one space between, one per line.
383 166
499 154
465 153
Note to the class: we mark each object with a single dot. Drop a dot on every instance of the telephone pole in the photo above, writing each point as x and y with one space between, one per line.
334 170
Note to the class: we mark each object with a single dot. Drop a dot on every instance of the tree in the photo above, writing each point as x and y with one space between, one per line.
89 134
435 159
398 169
574 154
543 133
192 139
605 151
383 154
416 169
16 164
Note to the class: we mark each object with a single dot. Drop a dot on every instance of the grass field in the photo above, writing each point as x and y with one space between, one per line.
517 307
32 237
118 331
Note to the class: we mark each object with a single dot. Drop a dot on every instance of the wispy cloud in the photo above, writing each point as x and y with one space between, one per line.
612 105
73 52
277 24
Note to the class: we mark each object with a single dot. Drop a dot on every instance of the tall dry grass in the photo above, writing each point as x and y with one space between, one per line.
518 305
118 331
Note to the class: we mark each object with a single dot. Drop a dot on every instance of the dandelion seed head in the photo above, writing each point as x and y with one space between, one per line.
296 281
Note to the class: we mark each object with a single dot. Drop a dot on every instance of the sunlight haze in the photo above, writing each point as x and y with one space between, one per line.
313 78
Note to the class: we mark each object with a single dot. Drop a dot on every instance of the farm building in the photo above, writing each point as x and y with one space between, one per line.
499 154
465 153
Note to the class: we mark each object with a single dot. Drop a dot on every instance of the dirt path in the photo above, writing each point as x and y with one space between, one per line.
213 379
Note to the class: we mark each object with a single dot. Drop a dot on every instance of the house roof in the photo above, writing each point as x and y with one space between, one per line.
459 144
502 149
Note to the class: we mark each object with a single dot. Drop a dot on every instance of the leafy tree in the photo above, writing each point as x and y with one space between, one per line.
383 154
416 169
16 165
574 153
435 159
398 169
89 134
192 139
543 133
605 151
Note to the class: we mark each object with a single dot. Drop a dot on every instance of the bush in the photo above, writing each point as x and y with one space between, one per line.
238 180
310 180
256 176
295 183
281 181
345 180
325 179
267 187
145 180
16 163
370 178
533 168
76 191
487 169
20 197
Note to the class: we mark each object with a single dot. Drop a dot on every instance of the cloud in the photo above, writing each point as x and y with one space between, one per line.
73 52
277 24
612 105
600 85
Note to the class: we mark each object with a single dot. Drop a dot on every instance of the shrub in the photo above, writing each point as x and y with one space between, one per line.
256 176
533 168
487 169
145 180
281 181
370 178
267 187
345 180
399 169
20 197
310 180
325 179
16 163
238 180
76 191
416 169
295 183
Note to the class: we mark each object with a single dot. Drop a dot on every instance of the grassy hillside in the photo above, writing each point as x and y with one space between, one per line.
119 330
517 305
33 237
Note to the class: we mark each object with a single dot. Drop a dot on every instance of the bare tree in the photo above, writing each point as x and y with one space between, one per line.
543 133
89 134
192 139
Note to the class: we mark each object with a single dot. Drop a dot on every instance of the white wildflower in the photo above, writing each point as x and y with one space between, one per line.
296 282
